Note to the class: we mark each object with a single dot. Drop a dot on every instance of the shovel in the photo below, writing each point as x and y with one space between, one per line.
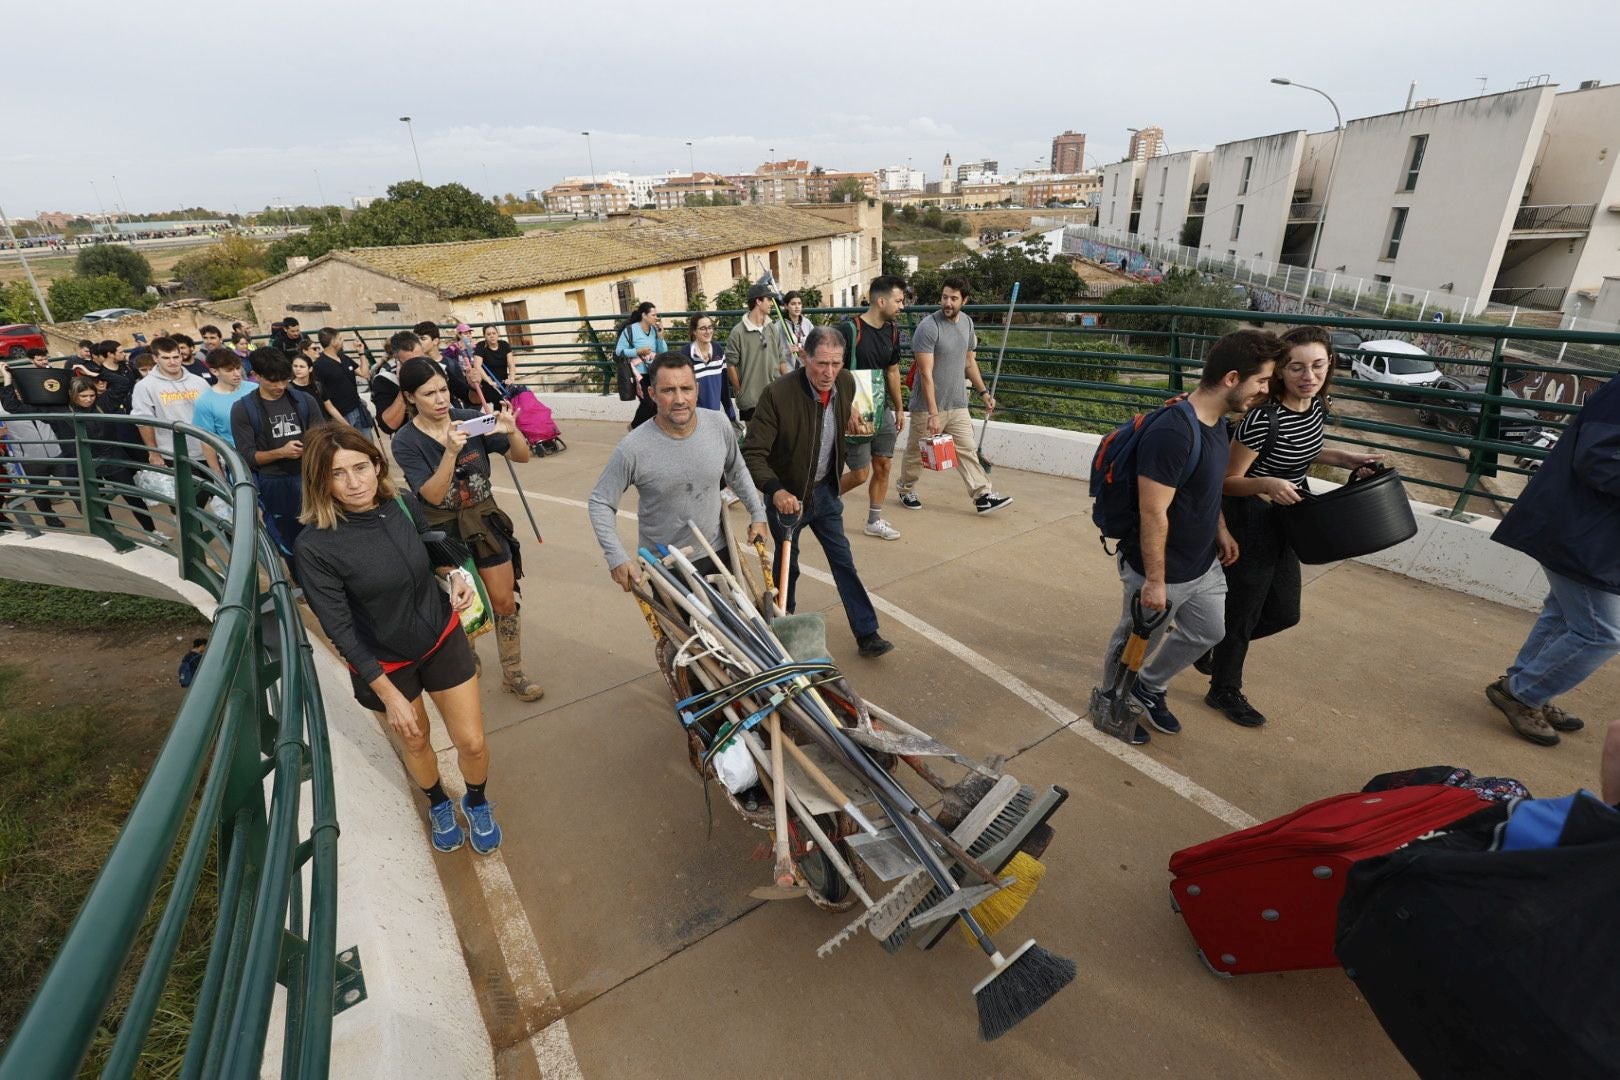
1115 711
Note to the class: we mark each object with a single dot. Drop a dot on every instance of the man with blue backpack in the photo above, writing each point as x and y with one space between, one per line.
1156 488
268 427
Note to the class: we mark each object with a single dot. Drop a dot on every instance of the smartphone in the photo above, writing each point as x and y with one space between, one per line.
478 425
140 339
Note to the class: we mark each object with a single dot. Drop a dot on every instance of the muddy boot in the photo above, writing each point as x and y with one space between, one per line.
509 637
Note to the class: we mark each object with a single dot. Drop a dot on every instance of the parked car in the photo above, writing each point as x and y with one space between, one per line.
1345 343
109 313
1543 439
1517 423
18 338
1393 364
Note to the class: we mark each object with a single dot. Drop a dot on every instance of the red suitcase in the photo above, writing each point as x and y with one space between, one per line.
1267 898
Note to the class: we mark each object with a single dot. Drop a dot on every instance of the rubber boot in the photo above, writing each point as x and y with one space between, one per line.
509 637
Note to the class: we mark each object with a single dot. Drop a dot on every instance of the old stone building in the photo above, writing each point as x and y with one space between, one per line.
666 256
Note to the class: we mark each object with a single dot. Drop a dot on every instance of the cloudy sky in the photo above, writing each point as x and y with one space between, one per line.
222 104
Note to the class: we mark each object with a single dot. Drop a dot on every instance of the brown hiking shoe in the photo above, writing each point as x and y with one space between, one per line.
1561 720
1529 722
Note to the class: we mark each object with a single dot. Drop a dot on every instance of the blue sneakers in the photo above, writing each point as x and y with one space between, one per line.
1158 713
486 835
447 834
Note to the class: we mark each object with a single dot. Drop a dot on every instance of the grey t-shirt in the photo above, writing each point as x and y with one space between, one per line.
950 342
677 480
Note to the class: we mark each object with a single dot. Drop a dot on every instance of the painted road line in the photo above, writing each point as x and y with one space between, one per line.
1065 718
520 951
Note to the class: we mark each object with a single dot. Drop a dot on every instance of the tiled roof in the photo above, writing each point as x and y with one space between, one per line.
653 238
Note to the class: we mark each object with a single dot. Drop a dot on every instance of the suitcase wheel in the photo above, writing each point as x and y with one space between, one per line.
1175 905
1212 969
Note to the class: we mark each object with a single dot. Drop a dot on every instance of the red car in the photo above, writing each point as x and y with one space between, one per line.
18 338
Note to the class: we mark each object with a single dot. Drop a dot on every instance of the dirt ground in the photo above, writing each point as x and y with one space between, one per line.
48 267
128 676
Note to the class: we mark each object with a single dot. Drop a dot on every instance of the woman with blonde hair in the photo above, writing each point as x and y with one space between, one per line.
370 578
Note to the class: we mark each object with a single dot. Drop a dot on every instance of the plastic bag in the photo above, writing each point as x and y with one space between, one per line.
159 484
734 767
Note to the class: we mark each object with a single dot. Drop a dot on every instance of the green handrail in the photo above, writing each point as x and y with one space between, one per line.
253 710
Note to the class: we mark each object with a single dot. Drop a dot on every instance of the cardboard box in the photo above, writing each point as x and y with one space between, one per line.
938 452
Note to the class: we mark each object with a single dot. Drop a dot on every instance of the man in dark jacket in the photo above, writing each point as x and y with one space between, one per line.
795 453
1568 520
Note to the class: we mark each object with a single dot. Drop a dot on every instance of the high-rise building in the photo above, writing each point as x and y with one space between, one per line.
1069 153
1146 143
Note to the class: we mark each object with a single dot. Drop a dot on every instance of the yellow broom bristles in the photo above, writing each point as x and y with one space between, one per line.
995 912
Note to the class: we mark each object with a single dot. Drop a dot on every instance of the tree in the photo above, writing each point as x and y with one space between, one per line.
893 264
1192 231
848 189
888 210
225 269
908 213
411 213
1180 288
17 304
72 296
119 260
991 275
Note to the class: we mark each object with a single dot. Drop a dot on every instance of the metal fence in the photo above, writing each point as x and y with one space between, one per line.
251 723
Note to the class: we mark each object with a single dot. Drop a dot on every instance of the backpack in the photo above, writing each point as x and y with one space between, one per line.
1113 471
303 404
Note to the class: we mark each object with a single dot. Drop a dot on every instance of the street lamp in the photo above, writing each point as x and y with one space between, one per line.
22 257
590 157
1327 192
123 201
412 131
690 160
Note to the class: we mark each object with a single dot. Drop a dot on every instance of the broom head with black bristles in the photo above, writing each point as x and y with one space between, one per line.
1020 985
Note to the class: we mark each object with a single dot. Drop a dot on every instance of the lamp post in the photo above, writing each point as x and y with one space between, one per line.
122 201
1327 192
412 132
22 257
591 158
691 161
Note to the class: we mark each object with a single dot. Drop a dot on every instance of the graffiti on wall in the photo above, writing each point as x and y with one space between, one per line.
1132 262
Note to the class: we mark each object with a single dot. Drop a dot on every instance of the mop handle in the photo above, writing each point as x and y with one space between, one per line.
995 376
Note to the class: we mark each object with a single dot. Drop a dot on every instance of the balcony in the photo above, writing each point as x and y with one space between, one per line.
1196 207
1573 218
1542 297
1304 212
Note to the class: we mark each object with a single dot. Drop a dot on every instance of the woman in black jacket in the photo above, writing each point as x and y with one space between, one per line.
366 572
115 463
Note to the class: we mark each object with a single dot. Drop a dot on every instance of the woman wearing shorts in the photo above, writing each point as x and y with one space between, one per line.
449 471
368 578
1272 452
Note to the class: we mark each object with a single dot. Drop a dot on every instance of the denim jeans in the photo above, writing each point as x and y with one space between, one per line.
1197 621
1579 628
359 418
824 514
281 499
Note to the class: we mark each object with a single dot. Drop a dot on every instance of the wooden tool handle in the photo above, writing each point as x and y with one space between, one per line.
784 861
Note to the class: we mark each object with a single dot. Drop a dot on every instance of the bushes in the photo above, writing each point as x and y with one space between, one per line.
116 260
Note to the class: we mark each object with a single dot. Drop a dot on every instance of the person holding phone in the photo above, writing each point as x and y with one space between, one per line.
268 427
444 454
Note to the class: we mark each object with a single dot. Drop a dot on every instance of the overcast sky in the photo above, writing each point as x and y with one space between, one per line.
221 104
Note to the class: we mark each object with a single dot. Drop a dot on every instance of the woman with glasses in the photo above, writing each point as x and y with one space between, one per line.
708 364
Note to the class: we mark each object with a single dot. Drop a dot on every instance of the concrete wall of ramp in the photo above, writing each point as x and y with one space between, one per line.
1451 553
420 1017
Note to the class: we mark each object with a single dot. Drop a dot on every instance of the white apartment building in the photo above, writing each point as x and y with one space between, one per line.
1510 198
900 178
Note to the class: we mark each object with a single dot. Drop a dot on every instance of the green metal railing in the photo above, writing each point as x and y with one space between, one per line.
251 722
1060 371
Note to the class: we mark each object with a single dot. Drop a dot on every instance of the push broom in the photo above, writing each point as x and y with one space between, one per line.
995 376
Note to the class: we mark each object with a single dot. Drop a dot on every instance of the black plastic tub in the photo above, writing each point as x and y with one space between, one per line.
1359 518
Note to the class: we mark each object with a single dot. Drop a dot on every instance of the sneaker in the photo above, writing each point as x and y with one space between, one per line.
873 645
1205 665
1158 713
990 501
159 536
481 827
1140 736
1530 723
1236 707
447 834
909 500
883 530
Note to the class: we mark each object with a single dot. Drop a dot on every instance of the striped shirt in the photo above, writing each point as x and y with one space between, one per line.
1296 444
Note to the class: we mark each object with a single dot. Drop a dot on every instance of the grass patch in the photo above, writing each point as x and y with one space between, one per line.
29 604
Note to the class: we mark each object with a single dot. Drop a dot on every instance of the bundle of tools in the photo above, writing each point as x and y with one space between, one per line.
763 706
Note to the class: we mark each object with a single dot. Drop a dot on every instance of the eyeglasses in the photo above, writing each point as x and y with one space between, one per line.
704 326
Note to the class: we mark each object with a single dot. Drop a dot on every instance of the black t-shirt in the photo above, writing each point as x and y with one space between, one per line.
1195 511
336 380
419 454
874 348
279 424
495 359
384 391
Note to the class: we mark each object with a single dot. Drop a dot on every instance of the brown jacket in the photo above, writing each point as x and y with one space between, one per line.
784 436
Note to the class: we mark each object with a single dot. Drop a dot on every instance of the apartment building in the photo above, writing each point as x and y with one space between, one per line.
1146 143
585 197
1511 199
1069 152
818 187
676 192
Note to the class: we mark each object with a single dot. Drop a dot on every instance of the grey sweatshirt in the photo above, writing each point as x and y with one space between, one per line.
677 480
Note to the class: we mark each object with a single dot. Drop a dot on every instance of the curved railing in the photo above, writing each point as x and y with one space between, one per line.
228 783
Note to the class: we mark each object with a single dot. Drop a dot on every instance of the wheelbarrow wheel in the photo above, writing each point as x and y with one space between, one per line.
828 889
